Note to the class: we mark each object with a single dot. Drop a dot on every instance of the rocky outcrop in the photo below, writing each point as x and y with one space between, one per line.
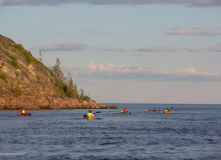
26 82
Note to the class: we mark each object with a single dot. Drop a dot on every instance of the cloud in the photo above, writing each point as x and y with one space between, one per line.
189 3
122 72
157 49
193 49
62 47
196 31
216 48
217 28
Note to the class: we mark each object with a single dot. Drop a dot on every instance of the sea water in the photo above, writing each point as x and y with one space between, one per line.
190 131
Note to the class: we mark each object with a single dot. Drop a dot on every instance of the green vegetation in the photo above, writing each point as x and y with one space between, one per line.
28 56
64 85
8 45
7 53
14 62
40 80
18 91
40 54
25 54
3 76
16 88
17 74
83 96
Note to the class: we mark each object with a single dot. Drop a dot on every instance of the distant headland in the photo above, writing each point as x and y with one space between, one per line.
26 82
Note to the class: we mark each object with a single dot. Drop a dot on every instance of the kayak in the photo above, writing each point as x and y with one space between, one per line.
90 117
27 114
125 112
166 112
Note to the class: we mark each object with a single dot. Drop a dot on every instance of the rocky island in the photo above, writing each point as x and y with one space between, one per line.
26 82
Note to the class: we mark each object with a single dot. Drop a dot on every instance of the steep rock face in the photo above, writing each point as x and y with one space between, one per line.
26 82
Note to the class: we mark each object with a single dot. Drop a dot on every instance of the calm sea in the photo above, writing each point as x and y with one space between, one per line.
190 131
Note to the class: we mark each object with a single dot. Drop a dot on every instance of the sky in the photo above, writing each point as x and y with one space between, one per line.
125 51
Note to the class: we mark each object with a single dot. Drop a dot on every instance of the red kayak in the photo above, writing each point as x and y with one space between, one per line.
27 114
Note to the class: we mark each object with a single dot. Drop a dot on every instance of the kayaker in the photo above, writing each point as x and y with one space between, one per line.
90 114
166 110
124 110
154 110
23 111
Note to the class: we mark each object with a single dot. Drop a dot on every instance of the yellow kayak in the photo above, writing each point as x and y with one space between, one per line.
90 117
166 112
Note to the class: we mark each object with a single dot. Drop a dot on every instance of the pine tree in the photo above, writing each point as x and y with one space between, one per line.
40 54
71 87
76 91
59 76
65 85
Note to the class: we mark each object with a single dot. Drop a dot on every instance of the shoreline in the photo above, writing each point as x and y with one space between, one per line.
52 107
13 110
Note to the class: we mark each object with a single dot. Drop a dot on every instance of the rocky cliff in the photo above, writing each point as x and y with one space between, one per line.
27 82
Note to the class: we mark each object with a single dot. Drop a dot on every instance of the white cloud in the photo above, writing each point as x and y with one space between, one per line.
92 66
157 49
193 49
111 71
196 31
62 47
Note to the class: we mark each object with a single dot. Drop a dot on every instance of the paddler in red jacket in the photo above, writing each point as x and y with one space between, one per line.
154 110
125 111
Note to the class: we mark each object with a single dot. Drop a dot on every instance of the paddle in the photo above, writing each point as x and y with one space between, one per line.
171 108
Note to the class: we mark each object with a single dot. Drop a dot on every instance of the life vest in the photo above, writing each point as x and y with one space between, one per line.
166 110
90 115
154 109
125 111
23 112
